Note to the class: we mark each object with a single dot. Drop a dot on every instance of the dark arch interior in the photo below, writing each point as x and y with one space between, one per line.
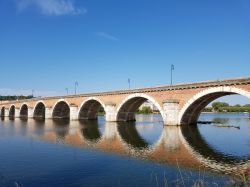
90 110
61 111
128 110
39 112
192 114
24 111
2 112
12 111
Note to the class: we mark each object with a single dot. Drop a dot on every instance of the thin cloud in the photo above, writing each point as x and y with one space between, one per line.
51 7
107 36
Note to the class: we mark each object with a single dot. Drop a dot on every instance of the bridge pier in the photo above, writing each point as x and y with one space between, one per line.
30 112
73 112
17 113
171 111
110 112
48 112
6 113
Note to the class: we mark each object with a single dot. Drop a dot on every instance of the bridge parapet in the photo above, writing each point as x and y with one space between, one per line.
181 86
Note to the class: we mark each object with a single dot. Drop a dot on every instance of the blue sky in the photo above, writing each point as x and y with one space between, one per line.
47 45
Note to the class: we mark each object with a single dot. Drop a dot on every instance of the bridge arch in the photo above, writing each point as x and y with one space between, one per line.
24 111
12 111
190 112
128 107
89 108
61 110
39 110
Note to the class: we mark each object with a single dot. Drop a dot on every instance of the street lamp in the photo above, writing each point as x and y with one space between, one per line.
76 84
67 90
32 92
128 83
172 68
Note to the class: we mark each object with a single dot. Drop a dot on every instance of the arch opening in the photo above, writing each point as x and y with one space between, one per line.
39 111
193 110
12 112
24 111
137 104
61 111
90 110
129 108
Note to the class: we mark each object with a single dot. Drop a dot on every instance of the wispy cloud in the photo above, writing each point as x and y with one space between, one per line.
107 36
51 7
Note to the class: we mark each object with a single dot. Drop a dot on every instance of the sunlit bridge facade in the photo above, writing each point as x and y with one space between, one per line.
177 104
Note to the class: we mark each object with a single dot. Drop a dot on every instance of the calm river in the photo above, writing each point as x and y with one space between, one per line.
144 153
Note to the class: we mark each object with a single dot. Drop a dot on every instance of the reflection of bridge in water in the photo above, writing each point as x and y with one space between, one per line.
182 145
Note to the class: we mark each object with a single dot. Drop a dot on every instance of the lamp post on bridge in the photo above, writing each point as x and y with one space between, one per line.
32 94
172 68
76 85
128 83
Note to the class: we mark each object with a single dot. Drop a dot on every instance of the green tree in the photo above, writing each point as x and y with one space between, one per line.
145 110
238 105
218 105
14 97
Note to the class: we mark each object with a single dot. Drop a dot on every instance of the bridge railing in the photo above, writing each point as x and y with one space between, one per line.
182 86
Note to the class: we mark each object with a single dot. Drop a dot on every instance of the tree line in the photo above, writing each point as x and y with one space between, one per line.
14 97
216 107
225 107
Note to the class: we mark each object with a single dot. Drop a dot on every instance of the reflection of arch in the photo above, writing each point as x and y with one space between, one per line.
39 126
12 111
192 109
2 112
89 108
130 135
39 110
128 107
24 111
90 130
61 129
61 109
210 156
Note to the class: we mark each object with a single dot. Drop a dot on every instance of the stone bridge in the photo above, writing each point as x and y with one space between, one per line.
177 104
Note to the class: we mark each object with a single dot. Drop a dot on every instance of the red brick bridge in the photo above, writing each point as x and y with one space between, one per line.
178 104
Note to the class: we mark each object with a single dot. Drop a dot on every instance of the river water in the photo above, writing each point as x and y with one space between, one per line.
142 153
